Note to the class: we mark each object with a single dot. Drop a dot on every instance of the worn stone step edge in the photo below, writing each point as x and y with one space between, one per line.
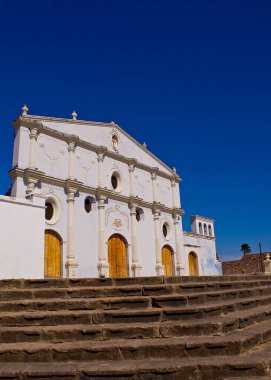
213 325
105 282
112 302
152 348
171 369
128 291
154 314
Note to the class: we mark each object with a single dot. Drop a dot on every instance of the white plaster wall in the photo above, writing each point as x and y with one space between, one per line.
86 167
164 191
143 185
22 145
22 238
146 243
18 188
86 237
52 156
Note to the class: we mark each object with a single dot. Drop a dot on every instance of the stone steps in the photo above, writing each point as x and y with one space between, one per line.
197 328
234 343
217 325
169 369
128 315
116 302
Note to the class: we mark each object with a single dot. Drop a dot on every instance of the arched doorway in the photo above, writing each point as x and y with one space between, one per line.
167 260
52 254
193 264
117 256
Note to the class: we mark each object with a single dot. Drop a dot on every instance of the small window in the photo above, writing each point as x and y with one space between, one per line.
138 217
88 205
114 181
49 211
165 230
205 229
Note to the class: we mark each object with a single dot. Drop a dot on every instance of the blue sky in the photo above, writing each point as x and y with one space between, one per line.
191 78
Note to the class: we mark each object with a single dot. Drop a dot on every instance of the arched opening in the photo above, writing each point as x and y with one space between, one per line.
193 264
205 229
52 254
210 230
200 228
168 260
117 256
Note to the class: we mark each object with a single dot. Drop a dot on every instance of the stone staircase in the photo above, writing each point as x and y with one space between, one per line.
187 328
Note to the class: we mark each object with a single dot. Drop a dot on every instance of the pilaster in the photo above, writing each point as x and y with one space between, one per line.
103 266
32 149
136 267
71 264
159 266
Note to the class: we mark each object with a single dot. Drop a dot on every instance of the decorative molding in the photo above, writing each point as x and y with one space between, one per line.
106 193
33 121
116 210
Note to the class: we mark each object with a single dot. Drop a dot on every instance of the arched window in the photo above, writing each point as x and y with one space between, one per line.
200 228
210 230
205 229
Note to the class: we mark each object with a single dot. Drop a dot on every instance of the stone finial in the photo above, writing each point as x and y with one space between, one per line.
267 257
144 145
74 115
25 110
174 169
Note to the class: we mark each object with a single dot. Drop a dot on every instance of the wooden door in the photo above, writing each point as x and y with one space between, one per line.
167 261
117 257
52 254
193 264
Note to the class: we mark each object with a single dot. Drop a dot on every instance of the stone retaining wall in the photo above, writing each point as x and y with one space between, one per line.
250 263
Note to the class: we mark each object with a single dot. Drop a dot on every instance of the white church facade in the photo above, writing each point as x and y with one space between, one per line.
87 200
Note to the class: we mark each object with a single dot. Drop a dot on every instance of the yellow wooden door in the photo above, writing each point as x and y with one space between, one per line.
52 254
117 257
193 265
167 261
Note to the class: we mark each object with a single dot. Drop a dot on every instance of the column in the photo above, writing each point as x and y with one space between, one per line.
71 263
132 179
174 197
32 150
103 267
178 242
159 266
71 149
136 267
154 186
100 169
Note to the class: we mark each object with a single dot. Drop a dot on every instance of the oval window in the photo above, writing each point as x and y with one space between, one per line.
114 181
49 211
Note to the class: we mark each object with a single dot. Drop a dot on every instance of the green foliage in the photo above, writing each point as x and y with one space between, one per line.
245 248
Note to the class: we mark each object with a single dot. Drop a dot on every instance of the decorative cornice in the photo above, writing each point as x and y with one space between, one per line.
203 218
99 192
198 236
32 121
